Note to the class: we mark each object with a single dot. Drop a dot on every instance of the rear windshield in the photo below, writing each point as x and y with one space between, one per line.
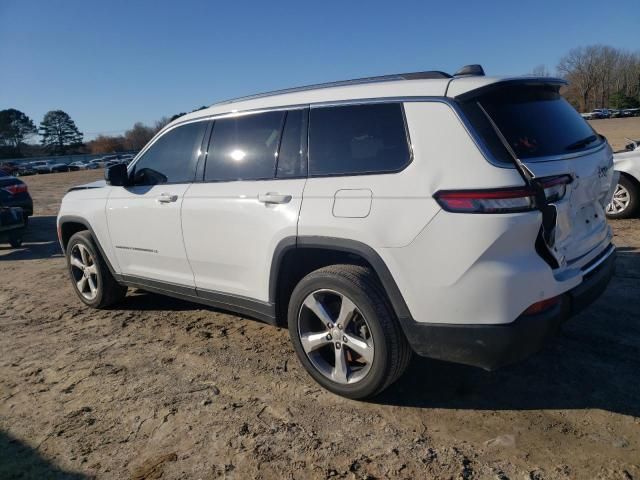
536 121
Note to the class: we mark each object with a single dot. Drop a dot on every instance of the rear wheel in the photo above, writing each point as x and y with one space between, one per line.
345 332
90 276
625 201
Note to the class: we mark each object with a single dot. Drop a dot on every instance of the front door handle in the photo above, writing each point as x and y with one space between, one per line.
167 198
272 197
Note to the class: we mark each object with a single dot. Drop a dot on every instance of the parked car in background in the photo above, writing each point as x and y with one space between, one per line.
461 217
598 113
12 225
40 166
615 113
14 193
83 165
9 167
631 112
24 169
49 166
58 167
626 197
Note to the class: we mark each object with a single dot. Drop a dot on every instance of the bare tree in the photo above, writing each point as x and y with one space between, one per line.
160 124
598 74
540 71
138 136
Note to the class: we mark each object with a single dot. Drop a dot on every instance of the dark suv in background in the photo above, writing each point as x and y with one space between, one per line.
14 193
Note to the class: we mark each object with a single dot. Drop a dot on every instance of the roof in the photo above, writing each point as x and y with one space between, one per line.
415 84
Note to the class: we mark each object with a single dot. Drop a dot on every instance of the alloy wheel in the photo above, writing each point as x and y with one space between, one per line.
620 201
84 271
335 336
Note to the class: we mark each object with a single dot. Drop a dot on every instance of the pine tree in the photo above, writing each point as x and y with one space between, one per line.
59 132
15 127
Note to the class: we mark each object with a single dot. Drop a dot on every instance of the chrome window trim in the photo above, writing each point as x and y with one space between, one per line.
480 144
156 137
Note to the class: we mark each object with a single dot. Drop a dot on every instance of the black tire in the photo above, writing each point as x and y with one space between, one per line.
109 291
634 199
392 353
15 242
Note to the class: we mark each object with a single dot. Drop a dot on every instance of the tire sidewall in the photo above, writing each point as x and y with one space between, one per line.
376 376
84 239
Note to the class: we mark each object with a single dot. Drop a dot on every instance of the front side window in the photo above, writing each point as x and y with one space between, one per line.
172 158
244 147
357 139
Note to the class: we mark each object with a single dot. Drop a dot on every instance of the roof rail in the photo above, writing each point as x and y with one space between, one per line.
428 75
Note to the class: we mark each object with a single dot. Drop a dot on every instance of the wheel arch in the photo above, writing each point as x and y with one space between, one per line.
68 225
296 257
632 179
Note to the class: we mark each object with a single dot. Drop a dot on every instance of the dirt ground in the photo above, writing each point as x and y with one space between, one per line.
616 129
163 388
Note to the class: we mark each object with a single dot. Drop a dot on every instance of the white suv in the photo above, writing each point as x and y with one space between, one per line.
459 217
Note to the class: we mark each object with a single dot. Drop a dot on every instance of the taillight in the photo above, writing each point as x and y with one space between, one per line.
15 189
542 306
501 200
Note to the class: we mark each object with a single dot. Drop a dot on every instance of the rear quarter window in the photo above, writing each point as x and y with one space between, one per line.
536 121
357 139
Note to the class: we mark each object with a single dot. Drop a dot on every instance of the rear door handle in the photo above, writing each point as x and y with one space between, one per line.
167 198
272 197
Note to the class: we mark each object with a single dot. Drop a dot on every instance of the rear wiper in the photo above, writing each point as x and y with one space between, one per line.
582 143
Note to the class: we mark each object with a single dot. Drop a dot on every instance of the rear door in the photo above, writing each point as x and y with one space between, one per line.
144 219
249 201
551 138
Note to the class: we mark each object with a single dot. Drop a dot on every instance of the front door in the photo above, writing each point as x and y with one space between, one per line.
144 219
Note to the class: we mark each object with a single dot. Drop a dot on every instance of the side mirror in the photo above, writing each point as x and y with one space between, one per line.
117 175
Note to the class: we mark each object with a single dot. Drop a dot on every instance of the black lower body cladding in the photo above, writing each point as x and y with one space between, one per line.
493 346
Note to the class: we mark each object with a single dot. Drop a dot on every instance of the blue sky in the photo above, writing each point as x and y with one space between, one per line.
112 63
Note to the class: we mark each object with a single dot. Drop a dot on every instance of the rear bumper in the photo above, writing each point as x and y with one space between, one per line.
492 346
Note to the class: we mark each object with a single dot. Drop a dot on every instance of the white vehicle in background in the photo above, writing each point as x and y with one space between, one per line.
626 197
458 217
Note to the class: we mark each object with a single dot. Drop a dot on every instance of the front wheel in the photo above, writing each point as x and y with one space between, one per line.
625 201
345 333
91 278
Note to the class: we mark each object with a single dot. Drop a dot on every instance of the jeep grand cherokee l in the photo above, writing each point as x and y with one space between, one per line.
459 217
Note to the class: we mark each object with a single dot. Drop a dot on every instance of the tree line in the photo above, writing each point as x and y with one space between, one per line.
601 76
58 131
60 135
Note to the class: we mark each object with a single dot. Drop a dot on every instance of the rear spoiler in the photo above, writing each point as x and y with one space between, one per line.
524 81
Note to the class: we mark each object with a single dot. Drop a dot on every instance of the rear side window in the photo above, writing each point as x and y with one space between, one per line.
245 147
357 139
172 158
536 121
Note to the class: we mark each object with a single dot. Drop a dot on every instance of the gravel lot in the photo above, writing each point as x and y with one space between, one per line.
164 388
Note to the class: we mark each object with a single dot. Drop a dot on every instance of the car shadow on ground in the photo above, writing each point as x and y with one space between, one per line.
18 460
40 241
593 362
140 300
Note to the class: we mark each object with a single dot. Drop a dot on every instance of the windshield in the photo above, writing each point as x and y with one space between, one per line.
536 121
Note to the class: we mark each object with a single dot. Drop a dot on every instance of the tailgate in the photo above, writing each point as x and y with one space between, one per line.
581 227
528 124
